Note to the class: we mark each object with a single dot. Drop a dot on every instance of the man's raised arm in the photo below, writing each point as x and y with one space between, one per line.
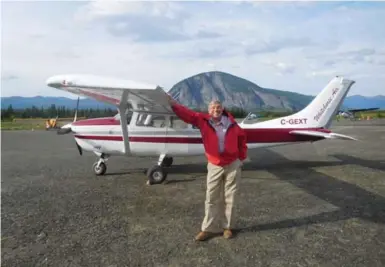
187 115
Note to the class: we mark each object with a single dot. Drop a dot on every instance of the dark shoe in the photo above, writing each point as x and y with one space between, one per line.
227 233
202 236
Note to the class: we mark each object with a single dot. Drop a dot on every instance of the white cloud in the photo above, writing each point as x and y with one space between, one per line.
98 9
164 42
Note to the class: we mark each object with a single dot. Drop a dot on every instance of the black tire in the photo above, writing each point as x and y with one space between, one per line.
101 169
156 175
167 161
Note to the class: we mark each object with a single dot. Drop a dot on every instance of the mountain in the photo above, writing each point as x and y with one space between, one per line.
233 91
196 91
358 102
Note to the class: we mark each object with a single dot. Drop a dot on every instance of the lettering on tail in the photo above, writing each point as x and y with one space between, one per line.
325 105
293 121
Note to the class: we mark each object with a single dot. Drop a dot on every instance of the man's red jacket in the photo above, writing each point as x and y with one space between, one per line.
235 138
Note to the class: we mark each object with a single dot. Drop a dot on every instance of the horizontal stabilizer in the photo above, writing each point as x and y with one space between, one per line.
323 134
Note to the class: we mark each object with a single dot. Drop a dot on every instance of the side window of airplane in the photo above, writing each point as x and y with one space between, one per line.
177 123
129 117
159 121
141 118
150 120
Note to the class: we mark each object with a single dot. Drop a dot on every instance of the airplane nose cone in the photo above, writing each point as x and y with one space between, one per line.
65 129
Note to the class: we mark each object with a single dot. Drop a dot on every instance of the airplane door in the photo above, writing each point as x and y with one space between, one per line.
177 137
151 129
119 130
158 124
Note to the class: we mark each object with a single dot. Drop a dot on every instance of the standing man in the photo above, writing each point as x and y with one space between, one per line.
225 148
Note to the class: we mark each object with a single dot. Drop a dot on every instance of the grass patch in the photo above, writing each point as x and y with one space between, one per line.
14 125
30 123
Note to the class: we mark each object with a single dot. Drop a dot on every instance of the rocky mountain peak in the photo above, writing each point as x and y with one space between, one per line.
234 92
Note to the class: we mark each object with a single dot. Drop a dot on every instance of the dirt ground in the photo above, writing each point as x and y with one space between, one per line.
320 204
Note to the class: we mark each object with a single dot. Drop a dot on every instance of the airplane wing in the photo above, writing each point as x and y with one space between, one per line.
323 134
109 90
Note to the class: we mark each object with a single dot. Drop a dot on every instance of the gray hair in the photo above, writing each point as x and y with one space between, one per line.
213 102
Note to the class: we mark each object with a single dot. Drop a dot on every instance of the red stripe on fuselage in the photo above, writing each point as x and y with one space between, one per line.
100 137
164 139
148 139
253 136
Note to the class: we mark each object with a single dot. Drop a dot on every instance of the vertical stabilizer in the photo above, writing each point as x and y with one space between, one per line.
320 112
323 108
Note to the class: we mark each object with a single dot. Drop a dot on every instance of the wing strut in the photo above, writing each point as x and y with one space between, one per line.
123 106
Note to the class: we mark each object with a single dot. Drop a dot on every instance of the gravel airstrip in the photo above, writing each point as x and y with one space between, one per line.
320 204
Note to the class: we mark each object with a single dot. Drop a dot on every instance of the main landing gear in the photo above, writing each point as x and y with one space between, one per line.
158 174
100 166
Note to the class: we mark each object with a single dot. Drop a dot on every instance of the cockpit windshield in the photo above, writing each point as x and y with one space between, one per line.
128 114
251 118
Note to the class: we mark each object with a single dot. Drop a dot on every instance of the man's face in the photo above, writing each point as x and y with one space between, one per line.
215 110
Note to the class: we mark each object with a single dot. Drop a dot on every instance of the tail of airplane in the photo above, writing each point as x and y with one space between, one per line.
323 108
319 113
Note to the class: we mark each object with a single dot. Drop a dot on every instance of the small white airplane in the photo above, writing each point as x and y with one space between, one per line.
146 125
350 113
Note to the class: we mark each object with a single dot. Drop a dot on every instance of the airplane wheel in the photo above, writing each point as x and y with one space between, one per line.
156 175
167 161
101 169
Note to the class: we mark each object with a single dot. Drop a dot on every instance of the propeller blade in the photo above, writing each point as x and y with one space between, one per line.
65 129
79 149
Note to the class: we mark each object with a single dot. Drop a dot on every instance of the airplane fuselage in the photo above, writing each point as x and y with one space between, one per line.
104 135
153 128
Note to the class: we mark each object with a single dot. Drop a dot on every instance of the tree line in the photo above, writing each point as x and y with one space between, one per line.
10 113
51 112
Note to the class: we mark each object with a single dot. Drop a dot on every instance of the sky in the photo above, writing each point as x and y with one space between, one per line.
293 46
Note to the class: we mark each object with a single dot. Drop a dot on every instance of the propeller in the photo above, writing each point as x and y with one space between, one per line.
65 129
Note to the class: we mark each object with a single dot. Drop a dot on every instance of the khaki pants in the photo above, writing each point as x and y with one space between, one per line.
222 185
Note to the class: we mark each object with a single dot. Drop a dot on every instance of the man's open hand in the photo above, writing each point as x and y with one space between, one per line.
171 100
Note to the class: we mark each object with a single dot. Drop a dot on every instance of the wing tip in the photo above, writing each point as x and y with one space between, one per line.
92 80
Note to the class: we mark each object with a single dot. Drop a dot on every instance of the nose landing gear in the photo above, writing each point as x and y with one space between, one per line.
100 166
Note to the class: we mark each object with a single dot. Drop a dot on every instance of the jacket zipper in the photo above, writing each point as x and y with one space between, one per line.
227 130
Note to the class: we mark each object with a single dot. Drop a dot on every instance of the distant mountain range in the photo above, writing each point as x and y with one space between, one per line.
198 90
19 102
358 101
